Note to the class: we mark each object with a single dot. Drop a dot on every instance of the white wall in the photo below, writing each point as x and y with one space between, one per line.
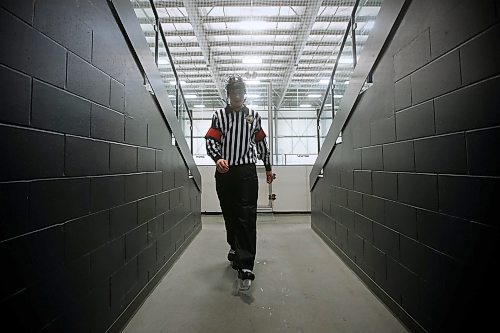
291 187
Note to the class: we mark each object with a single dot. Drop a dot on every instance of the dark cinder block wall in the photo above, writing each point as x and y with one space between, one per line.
95 202
410 199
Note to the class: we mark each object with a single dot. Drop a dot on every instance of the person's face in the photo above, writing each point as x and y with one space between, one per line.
236 97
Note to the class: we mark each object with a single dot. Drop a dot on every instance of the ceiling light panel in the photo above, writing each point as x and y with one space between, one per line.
183 26
140 13
177 11
284 38
298 10
254 25
328 11
167 27
188 39
211 11
344 11
321 25
173 39
147 27
289 25
216 38
369 11
271 33
215 26
163 12
337 25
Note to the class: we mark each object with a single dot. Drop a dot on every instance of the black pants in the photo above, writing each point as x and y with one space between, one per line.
237 190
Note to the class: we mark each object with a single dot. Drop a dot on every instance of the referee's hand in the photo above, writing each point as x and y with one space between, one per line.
270 177
222 166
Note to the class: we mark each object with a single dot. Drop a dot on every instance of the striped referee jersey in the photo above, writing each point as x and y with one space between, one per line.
237 136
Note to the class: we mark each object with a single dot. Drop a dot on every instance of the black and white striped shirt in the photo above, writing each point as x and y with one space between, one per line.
237 136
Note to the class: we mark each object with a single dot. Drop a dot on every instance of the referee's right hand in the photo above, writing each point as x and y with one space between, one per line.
222 166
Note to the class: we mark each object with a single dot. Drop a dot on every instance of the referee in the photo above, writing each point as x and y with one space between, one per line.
234 141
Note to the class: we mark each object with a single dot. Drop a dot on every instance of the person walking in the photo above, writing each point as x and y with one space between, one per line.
235 141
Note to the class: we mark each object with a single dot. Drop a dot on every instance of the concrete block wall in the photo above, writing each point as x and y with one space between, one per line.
410 198
95 202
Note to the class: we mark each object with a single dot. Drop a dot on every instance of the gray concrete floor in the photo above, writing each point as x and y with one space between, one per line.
301 286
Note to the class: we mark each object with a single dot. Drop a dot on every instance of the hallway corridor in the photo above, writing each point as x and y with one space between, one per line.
301 286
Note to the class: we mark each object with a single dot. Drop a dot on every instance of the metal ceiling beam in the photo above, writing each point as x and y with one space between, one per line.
265 62
280 19
179 53
196 23
270 32
246 43
249 3
320 69
310 14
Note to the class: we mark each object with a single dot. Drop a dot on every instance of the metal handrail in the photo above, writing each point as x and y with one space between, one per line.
178 87
350 28
126 19
387 20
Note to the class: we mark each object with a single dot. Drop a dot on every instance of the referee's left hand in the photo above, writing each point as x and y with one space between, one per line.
222 166
269 177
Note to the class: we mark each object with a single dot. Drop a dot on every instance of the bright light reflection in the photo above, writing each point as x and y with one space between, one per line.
252 60
253 25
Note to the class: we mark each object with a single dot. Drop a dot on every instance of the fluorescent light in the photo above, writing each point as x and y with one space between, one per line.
253 25
173 83
199 105
252 82
369 25
324 81
328 104
305 105
314 95
252 60
190 96
252 95
346 82
345 60
337 96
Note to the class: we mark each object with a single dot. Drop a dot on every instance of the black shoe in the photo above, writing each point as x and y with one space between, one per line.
246 274
231 256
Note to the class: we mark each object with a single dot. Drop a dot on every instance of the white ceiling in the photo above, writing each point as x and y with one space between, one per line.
296 40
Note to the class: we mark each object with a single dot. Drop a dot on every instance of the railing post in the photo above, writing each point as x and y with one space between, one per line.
177 98
270 117
157 30
191 137
318 129
353 38
157 40
333 100
331 85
